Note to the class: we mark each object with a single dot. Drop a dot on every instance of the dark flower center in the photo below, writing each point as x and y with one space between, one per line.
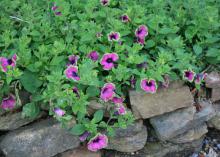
104 2
149 84
140 31
73 61
104 90
96 140
74 74
187 74
109 60
124 18
112 36
9 61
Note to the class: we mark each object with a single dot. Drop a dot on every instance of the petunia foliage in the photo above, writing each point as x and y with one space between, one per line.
67 53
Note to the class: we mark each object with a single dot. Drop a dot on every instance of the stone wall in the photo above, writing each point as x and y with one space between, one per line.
166 122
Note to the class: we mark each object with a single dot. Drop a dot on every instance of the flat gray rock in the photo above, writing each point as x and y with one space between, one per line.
178 122
13 121
42 139
165 100
215 94
191 135
129 140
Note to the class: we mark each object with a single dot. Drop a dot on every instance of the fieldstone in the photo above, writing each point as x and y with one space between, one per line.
165 100
190 135
215 94
160 149
213 80
42 139
131 139
215 121
175 123
13 121
79 152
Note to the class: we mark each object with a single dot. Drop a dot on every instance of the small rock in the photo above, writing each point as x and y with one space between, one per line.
191 135
13 121
175 123
213 80
79 152
41 139
165 100
215 121
129 140
215 94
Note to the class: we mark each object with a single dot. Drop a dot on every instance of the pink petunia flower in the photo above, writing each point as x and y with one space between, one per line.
76 91
104 2
141 32
94 55
107 92
8 102
141 41
108 60
84 136
121 110
188 75
5 62
59 112
113 36
149 86
73 60
100 141
125 18
72 73
117 100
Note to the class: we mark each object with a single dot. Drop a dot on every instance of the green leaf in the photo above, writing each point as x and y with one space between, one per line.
30 81
78 129
197 49
98 116
92 91
30 110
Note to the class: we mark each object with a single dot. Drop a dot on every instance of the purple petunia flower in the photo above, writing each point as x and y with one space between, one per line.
117 100
59 112
125 18
73 60
107 92
105 2
141 32
121 110
76 91
188 75
72 73
84 136
5 62
94 55
108 60
54 7
149 86
58 13
8 102
142 65
113 36
98 142
141 41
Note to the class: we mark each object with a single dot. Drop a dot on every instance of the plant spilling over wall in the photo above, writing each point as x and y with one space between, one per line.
68 52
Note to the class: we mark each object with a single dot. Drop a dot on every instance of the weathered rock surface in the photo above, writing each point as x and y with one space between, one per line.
175 123
79 152
42 139
215 94
191 135
160 149
129 140
13 121
165 100
94 105
215 121
213 80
